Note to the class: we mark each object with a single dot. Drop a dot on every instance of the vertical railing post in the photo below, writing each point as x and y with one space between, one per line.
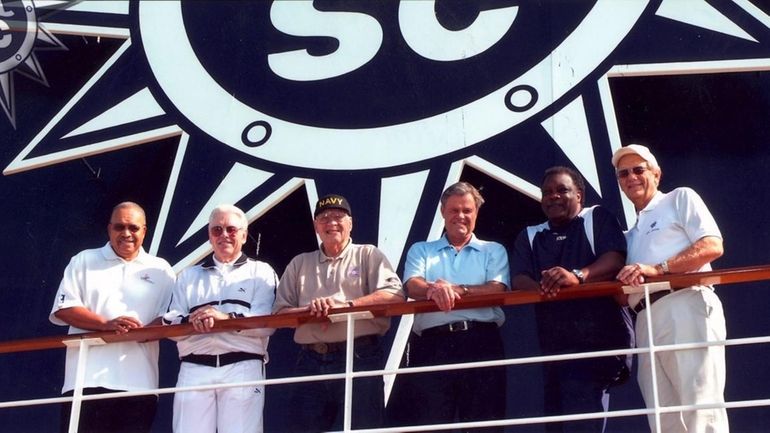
347 419
652 351
350 318
83 346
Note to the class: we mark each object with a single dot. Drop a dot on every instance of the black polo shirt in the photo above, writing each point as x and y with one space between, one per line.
582 324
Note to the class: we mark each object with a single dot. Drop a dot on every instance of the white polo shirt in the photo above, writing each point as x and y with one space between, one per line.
101 281
668 225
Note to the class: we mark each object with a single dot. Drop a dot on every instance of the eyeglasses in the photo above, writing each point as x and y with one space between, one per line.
118 227
638 170
217 231
327 217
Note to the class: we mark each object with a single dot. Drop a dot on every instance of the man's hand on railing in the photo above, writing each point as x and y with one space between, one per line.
442 292
203 319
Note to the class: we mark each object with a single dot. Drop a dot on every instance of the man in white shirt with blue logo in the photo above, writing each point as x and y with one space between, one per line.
674 233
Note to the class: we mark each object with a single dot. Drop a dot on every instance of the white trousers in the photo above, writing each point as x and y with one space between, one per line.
226 410
685 376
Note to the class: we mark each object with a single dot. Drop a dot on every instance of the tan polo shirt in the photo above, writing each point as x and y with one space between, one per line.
358 271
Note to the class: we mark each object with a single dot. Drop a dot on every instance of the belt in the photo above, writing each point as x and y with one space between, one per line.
653 298
463 325
221 360
324 348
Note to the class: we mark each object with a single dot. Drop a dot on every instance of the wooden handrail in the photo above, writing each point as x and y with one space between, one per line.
148 333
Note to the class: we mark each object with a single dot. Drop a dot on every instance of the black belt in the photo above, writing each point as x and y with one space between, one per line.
463 325
221 360
324 348
653 298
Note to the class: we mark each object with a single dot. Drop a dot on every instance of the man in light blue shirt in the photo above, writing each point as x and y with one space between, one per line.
456 265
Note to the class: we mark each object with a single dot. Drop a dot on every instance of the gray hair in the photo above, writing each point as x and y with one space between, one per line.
229 209
129 205
462 188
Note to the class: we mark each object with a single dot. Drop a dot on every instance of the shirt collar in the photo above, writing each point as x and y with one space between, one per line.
109 254
322 257
443 242
209 263
656 198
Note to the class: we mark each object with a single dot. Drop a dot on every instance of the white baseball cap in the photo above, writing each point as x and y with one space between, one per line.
634 149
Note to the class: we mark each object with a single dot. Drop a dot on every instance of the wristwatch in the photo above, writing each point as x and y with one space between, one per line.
664 267
465 288
579 274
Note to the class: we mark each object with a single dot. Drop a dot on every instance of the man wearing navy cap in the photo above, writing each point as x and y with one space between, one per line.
674 232
339 274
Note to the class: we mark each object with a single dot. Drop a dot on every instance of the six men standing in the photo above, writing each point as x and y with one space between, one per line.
674 232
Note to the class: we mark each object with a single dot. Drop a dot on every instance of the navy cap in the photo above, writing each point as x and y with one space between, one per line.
332 201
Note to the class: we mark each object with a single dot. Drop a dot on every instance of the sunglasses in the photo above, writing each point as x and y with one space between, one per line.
638 171
217 231
118 227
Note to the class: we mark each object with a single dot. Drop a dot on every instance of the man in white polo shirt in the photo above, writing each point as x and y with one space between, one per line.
674 233
117 287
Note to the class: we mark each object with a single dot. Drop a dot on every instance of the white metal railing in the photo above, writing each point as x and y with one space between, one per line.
349 375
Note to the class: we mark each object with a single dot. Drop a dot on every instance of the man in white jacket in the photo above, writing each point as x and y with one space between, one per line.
225 286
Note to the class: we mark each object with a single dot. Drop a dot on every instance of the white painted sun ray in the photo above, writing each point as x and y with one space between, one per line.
403 194
252 214
405 325
754 11
504 176
608 108
45 35
399 198
139 106
701 14
569 129
20 163
238 182
437 227
80 30
168 197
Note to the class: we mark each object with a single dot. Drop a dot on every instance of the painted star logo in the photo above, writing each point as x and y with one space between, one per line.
20 37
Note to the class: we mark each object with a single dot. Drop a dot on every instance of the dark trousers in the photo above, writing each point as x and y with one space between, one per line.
578 386
319 406
451 396
112 415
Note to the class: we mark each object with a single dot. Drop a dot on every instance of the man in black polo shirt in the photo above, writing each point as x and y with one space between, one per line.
574 246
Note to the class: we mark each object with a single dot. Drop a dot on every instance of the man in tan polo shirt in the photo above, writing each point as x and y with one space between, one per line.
339 274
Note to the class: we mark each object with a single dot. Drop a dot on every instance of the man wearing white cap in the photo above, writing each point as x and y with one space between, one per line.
674 233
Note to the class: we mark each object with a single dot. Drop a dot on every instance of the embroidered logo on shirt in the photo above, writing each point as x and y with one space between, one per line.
241 290
653 227
561 237
146 277
61 298
354 272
